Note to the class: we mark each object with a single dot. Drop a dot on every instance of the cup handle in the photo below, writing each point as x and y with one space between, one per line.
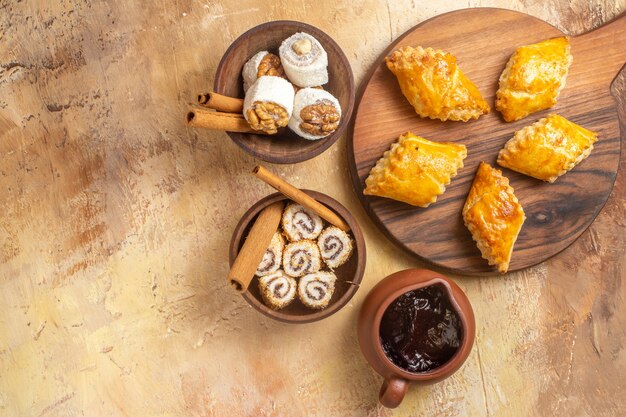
392 392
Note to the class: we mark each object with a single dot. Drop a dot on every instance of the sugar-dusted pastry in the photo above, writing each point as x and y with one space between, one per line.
268 104
335 246
300 223
415 170
533 78
316 290
301 258
316 113
493 216
277 289
304 59
273 256
262 63
434 84
548 148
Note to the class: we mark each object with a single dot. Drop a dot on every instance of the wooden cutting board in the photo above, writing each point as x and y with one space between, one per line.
483 40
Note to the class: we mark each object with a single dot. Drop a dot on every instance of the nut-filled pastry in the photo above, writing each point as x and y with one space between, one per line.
548 148
262 63
415 170
493 216
533 78
434 84
268 104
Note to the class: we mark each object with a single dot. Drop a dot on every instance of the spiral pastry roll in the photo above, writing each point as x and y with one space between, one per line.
301 223
335 246
301 258
277 289
304 59
316 114
262 63
273 256
316 290
268 104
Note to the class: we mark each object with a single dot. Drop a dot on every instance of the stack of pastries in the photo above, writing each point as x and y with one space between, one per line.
416 171
301 259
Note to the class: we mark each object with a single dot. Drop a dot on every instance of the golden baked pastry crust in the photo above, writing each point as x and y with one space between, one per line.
533 78
434 85
547 149
493 216
415 170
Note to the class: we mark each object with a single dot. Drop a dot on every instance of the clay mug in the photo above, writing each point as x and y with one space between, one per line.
368 328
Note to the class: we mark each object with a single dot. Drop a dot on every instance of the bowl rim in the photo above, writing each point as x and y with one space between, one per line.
359 240
346 112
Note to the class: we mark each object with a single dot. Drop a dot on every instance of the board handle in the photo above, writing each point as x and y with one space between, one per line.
603 48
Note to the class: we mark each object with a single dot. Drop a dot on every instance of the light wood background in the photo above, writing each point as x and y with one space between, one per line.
115 221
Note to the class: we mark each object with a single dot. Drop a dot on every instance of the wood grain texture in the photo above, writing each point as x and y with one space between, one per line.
556 213
285 147
115 221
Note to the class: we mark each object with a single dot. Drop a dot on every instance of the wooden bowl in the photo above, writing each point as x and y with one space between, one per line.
349 275
285 147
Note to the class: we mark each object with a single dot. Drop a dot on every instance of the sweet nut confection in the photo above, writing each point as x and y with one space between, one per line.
335 246
277 289
305 263
548 148
315 290
268 104
273 256
415 170
299 222
533 78
304 59
301 257
262 63
434 84
316 114
493 216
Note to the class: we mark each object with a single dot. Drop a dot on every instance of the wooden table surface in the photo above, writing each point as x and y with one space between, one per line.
115 220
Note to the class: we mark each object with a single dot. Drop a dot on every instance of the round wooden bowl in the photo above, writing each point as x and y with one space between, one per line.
349 275
285 147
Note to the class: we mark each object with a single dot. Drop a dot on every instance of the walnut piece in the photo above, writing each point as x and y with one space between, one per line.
320 118
302 47
267 117
270 65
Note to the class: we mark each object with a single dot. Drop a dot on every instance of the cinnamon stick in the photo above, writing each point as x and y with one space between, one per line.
230 122
220 102
254 247
300 197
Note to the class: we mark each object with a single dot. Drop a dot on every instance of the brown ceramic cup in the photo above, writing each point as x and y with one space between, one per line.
368 328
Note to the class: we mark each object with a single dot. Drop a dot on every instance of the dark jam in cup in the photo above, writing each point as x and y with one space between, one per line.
421 330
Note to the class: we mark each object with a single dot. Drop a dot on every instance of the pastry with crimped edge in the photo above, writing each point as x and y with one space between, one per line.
415 170
548 148
493 216
533 78
434 84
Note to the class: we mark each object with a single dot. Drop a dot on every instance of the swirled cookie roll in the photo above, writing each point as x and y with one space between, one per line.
301 258
301 223
315 290
268 104
335 246
304 59
277 289
262 63
316 114
273 256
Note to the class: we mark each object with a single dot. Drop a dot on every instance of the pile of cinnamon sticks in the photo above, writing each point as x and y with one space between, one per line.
219 112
